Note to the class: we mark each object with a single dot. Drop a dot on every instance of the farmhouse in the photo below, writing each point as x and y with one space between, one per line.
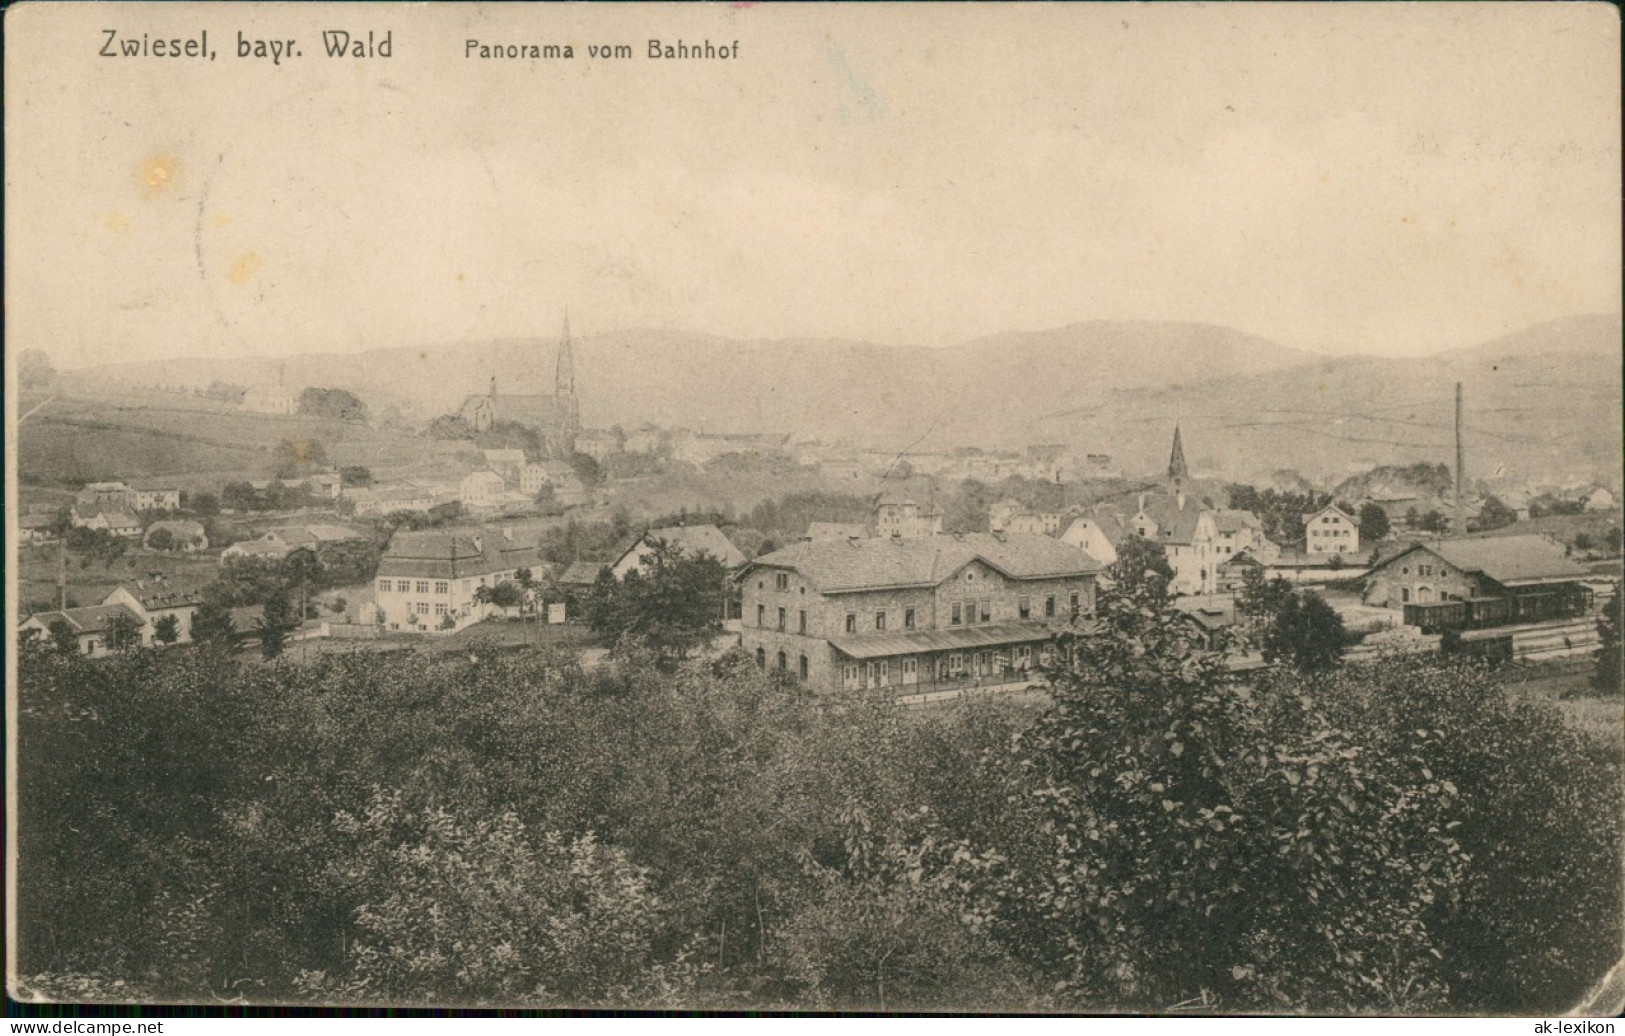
1331 530
144 607
91 626
154 496
117 522
97 495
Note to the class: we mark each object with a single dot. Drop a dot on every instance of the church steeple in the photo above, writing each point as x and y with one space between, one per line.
1177 472
564 396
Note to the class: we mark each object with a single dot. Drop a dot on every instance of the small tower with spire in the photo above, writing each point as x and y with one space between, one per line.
567 408
1178 473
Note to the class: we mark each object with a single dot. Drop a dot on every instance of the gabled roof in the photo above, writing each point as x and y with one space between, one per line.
582 573
113 515
440 554
839 566
1311 516
1228 520
1509 560
1175 525
94 619
159 600
692 540
836 530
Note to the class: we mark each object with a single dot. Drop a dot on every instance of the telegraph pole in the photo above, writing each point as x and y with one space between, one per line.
1461 478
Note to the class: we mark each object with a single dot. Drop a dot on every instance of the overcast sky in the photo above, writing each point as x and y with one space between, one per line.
1377 178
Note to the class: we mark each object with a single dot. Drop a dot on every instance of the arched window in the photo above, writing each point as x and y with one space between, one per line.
761 658
784 663
803 667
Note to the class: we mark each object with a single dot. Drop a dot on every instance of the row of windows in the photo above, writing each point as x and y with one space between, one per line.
422 607
967 613
405 586
1330 532
441 586
1424 570
802 666
949 666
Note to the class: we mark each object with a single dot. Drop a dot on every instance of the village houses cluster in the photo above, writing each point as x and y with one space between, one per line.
892 602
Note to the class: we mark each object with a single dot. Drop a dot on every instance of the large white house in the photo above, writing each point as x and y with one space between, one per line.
1331 530
427 581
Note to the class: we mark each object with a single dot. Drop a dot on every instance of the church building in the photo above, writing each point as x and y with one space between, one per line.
556 418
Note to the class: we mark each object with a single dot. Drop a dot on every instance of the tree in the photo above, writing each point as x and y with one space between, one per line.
123 631
1609 676
1142 572
298 458
1170 856
161 539
167 630
528 587
671 607
1306 633
1495 514
586 469
450 427
1434 521
333 404
274 625
1374 524
506 595
1260 598
355 476
206 504
212 624
63 636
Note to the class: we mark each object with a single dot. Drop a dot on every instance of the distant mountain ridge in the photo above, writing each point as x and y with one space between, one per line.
1248 404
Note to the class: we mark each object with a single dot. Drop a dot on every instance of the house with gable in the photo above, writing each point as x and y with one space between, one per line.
912 615
429 581
1531 573
1331 530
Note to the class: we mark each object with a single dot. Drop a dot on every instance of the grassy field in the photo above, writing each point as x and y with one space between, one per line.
89 583
204 441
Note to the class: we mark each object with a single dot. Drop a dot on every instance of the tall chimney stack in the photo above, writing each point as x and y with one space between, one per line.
1461 475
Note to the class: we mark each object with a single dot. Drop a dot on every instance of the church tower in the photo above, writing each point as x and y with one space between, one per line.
1177 472
564 398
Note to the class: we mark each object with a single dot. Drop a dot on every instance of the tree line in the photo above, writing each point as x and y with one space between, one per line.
504 827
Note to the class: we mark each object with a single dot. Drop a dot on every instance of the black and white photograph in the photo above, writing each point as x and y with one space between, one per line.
1022 509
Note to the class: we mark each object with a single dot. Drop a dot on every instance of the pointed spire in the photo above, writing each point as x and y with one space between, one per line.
564 397
1177 472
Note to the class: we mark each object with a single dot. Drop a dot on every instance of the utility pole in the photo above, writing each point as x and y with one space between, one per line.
1461 477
